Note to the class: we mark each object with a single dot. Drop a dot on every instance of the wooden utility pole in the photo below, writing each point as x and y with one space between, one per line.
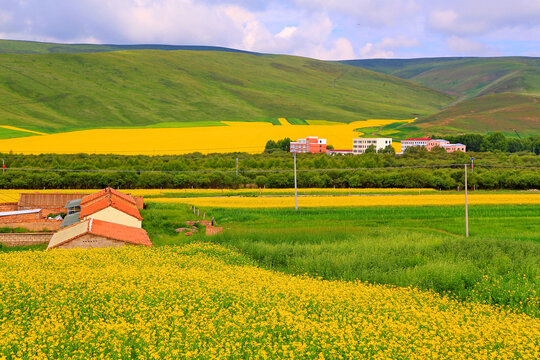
295 185
236 166
466 206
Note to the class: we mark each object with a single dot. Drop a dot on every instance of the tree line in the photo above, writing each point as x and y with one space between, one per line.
264 170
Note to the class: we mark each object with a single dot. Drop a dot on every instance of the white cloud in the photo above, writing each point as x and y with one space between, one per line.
482 16
366 12
287 32
386 47
467 47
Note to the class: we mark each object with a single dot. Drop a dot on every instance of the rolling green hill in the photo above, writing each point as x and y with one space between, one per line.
464 77
493 94
495 112
59 92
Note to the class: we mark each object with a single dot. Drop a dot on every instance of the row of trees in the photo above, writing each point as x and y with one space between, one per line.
446 178
496 142
265 170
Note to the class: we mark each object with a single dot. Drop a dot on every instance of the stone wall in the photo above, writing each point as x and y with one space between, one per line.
9 206
90 241
19 218
25 239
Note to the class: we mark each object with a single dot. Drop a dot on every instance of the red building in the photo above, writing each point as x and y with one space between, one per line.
311 144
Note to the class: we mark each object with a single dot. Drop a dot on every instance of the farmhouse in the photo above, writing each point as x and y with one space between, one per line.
413 142
32 220
360 145
94 233
311 144
111 205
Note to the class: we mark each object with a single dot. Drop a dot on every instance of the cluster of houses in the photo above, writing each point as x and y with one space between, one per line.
313 144
107 218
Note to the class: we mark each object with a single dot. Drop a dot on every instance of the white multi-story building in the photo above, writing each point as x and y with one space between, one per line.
414 142
361 144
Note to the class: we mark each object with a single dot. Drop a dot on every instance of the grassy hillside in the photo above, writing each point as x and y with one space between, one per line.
34 47
496 112
57 92
464 77
493 94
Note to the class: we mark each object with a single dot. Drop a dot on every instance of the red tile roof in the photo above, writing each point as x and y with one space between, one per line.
104 203
105 229
107 192
119 232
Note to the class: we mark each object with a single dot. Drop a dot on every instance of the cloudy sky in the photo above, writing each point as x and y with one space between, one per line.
323 29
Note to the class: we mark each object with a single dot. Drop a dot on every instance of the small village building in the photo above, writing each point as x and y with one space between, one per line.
112 206
311 144
73 206
450 148
360 145
113 210
436 142
407 143
93 233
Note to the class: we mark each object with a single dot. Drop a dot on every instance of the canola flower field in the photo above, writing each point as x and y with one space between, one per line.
354 201
12 195
235 136
206 301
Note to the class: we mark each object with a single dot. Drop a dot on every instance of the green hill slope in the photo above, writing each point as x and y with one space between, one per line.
464 77
495 112
57 92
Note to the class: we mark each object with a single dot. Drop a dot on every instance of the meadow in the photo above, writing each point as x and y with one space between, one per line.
419 246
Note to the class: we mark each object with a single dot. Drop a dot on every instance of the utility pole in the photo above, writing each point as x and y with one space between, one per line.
3 166
236 166
466 206
472 165
295 185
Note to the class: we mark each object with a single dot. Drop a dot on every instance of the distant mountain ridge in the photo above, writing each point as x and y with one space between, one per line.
35 47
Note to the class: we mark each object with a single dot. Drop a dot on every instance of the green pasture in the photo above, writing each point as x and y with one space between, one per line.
422 247
53 92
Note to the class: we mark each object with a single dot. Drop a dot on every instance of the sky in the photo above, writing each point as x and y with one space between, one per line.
321 29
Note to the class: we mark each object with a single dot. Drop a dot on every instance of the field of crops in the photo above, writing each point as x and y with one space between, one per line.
235 136
205 301
353 201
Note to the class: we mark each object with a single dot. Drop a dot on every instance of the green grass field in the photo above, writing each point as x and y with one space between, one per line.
422 247
59 92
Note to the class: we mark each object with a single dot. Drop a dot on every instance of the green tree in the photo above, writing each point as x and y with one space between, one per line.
494 142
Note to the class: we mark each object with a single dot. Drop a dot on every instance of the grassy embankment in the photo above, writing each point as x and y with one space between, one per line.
406 246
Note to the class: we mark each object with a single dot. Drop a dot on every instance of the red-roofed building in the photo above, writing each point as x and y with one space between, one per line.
112 209
93 233
108 193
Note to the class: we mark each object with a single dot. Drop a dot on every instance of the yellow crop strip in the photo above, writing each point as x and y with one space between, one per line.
206 301
352 201
21 129
248 137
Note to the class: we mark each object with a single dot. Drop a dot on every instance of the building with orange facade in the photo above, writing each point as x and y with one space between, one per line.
311 144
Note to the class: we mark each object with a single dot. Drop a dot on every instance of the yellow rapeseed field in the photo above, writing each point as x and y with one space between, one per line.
205 301
360 200
12 195
21 129
248 137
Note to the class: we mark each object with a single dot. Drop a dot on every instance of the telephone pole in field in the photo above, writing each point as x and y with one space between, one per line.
466 206
295 185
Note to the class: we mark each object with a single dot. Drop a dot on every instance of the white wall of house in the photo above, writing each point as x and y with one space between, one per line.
113 215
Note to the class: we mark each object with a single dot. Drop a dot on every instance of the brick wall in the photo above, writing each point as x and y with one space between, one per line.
25 239
21 218
9 207
38 225
51 202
